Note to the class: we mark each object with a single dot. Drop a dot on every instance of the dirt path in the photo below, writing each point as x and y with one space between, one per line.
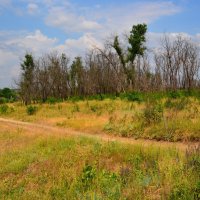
50 130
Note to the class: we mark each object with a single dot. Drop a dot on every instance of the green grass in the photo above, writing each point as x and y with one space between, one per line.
50 167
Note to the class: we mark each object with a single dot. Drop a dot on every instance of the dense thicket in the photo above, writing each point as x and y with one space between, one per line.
113 69
7 95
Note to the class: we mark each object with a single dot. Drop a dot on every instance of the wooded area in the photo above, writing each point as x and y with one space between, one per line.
113 69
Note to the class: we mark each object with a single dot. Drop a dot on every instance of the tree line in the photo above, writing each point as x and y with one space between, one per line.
116 68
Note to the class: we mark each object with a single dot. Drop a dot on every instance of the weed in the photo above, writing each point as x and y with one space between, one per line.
31 110
88 175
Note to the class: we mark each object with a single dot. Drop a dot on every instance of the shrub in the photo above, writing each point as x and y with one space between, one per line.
177 104
152 113
174 94
3 100
4 109
169 103
133 96
76 98
94 108
53 100
31 110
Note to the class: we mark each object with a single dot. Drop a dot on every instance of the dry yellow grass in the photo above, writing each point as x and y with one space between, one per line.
117 117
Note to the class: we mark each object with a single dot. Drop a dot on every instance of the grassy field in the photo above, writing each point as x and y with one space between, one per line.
37 164
168 119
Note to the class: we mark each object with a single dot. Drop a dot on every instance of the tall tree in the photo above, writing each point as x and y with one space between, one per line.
136 47
137 41
76 76
27 79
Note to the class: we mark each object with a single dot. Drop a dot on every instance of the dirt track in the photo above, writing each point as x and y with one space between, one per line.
50 130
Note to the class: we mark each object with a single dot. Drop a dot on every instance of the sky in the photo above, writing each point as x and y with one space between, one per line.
74 26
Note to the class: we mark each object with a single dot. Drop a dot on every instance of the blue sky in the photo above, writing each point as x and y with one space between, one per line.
74 26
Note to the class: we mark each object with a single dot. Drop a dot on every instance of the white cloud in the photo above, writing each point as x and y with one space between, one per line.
70 21
13 47
77 47
35 42
5 3
122 18
116 18
7 63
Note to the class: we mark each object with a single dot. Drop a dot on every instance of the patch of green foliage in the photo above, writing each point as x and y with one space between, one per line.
31 110
153 113
134 96
4 109
177 104
3 100
53 100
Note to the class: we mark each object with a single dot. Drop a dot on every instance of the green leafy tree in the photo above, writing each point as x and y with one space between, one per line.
8 93
136 47
76 76
136 41
27 79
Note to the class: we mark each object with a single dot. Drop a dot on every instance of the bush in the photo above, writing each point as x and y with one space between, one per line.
94 108
177 104
133 96
174 94
169 103
31 110
53 100
3 100
76 98
153 114
4 109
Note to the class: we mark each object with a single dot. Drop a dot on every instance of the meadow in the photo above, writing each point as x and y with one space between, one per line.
37 164
168 119
41 163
